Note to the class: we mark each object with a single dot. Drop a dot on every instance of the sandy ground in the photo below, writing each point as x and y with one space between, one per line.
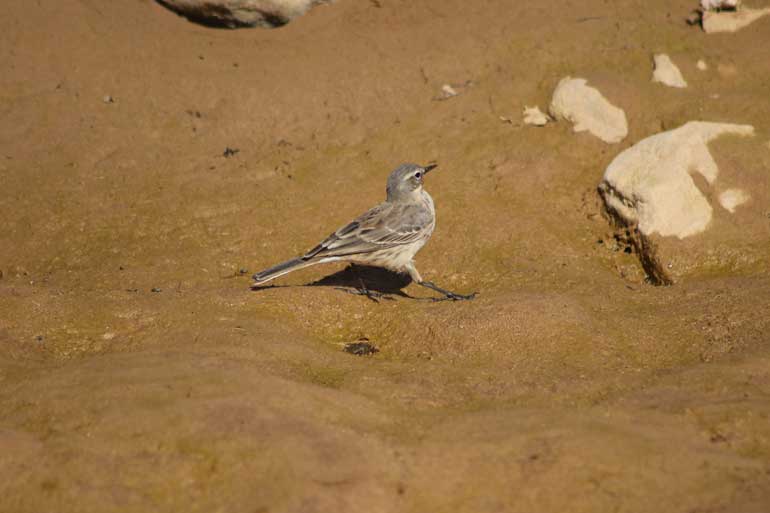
569 384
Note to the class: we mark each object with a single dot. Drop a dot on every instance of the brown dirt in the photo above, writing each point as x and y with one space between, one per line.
568 385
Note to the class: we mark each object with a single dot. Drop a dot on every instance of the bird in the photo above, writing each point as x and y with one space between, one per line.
387 235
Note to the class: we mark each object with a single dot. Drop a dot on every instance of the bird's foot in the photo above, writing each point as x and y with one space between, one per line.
452 296
448 295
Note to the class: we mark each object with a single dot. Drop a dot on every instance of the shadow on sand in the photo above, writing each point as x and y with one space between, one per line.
373 282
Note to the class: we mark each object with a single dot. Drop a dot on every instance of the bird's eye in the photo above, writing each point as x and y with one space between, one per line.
417 175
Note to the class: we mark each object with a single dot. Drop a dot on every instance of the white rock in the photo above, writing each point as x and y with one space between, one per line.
731 21
701 65
732 198
667 73
534 116
585 106
650 184
242 13
447 91
714 5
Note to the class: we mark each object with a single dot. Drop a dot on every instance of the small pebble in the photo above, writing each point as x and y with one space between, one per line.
156 289
361 348
448 91
108 99
666 72
534 116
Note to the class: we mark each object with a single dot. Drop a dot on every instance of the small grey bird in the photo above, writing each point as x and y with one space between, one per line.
388 235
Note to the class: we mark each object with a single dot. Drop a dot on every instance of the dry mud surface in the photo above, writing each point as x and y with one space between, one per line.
138 372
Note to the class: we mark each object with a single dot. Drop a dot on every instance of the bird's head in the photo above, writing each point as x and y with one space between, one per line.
405 182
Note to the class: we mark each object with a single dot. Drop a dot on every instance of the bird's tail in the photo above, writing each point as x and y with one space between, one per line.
281 269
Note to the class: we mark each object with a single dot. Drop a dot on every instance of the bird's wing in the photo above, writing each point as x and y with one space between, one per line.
384 226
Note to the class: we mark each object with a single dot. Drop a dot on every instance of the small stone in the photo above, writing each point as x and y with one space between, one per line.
667 73
732 198
362 347
588 110
701 65
534 116
451 90
448 91
108 336
156 289
108 99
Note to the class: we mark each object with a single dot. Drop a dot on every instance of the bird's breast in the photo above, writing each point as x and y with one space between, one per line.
428 204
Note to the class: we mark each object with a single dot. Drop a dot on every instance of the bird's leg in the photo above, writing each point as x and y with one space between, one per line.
447 294
363 291
415 275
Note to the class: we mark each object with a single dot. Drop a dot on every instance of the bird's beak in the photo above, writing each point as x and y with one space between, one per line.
429 167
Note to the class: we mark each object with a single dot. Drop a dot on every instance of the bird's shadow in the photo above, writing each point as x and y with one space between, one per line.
359 279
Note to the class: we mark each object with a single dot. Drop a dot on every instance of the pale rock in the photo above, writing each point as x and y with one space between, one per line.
732 198
701 65
534 116
587 109
650 184
447 91
451 90
731 21
715 5
667 73
242 13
